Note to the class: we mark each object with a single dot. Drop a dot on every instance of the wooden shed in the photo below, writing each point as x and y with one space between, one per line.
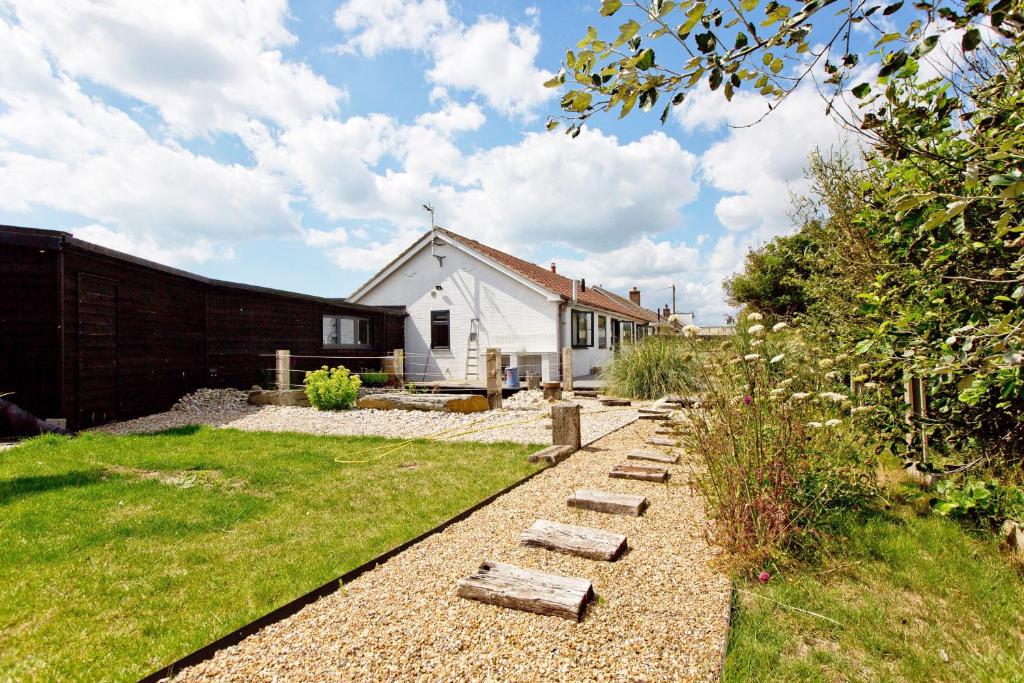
92 335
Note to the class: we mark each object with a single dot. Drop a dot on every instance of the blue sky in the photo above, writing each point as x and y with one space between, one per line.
291 144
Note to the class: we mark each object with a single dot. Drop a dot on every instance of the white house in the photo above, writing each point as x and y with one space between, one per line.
462 297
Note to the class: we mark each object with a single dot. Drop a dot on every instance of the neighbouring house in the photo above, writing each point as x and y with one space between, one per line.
463 297
91 335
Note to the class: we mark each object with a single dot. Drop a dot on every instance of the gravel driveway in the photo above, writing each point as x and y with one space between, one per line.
661 613
524 420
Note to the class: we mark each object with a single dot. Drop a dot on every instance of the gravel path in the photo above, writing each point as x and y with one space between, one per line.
524 420
661 613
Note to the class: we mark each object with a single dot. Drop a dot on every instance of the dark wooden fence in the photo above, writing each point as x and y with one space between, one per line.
91 335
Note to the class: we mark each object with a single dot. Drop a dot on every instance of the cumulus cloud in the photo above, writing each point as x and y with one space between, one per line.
64 150
204 66
758 167
491 58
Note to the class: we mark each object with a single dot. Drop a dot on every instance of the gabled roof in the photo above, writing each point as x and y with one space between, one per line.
530 273
559 284
640 311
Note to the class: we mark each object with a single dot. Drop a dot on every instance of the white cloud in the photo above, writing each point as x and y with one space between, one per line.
453 118
592 192
495 60
205 66
66 151
758 167
491 58
379 25
149 248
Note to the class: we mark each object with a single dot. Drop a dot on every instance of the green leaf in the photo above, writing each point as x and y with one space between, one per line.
741 40
1013 190
705 42
692 17
892 9
610 7
861 91
776 65
748 5
715 79
552 124
913 201
555 81
943 216
971 39
887 38
626 31
646 60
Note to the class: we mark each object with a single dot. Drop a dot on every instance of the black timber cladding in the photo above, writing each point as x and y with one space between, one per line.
92 335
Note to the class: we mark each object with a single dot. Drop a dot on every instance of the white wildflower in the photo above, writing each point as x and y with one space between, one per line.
833 396
778 391
755 317
776 359
800 395
737 359
832 374
756 329
786 382
870 385
691 330
814 425
825 363
752 357
756 343
862 409
833 422
779 326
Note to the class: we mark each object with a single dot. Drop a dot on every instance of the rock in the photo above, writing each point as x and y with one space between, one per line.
1013 534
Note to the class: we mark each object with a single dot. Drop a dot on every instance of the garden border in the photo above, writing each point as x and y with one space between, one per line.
288 609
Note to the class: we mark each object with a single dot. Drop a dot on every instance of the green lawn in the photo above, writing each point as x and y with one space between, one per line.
121 554
918 599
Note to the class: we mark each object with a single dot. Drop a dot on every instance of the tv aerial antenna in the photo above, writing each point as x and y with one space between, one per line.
435 241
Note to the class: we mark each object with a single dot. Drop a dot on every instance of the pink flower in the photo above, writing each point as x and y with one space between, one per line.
763 577
748 399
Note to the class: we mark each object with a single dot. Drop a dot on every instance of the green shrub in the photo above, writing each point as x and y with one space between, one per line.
984 502
374 379
650 368
332 388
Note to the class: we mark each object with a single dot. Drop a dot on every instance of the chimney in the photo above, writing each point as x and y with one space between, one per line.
634 296
553 268
666 312
583 284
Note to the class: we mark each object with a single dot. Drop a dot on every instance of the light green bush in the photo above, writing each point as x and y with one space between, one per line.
650 368
332 388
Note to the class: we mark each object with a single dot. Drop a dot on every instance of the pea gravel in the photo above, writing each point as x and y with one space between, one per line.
525 419
661 613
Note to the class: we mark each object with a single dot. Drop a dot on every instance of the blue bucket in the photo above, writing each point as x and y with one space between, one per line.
512 378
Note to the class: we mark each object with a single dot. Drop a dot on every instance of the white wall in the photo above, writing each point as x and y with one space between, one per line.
512 316
586 358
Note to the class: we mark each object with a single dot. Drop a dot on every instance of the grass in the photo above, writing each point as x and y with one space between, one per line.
918 597
121 554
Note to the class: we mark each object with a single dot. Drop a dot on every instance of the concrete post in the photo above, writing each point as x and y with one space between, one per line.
493 370
565 425
567 368
284 367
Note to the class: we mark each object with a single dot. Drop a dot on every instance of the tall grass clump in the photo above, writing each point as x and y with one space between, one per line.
650 368
780 457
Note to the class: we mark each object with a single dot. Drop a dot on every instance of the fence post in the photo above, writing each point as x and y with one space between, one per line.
565 425
493 369
917 411
567 368
284 367
398 366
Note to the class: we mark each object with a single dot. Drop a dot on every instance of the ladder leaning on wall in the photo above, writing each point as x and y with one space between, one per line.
473 350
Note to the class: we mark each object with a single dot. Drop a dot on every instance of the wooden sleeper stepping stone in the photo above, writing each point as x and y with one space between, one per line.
661 441
611 503
653 456
585 393
641 472
527 589
666 431
593 544
652 411
653 416
616 401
